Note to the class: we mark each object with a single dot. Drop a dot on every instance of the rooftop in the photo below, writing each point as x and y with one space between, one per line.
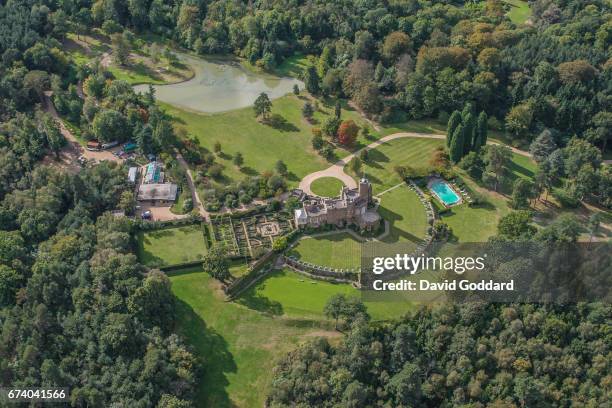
153 191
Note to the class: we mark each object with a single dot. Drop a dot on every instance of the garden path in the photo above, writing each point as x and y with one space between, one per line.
194 193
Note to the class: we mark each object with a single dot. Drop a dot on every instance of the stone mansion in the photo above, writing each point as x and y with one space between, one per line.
351 207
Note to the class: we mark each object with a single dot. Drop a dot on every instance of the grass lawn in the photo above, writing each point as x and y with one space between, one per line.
293 66
519 11
294 295
238 268
141 69
240 343
408 224
171 246
261 145
238 346
418 126
402 208
476 224
327 186
177 207
414 152
340 250
473 224
522 166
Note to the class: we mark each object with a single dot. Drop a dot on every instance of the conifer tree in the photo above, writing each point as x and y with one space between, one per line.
469 132
481 132
453 122
456 148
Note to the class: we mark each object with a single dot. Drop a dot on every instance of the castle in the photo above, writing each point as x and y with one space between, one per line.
350 208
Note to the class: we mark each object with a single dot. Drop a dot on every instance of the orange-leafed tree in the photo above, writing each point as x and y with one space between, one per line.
347 132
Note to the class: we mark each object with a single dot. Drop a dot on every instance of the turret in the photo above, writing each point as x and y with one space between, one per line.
365 189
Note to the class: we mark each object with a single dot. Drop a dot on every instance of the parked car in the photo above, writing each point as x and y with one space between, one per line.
108 145
93 145
129 147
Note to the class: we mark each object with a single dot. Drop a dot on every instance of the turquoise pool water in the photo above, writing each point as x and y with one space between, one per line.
444 192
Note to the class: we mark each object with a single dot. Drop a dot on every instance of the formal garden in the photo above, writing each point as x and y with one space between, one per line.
252 235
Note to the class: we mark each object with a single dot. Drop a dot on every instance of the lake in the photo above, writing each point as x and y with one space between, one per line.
220 85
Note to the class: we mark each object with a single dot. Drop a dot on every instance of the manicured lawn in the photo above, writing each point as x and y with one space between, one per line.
522 166
519 11
260 144
295 295
293 66
238 268
408 224
340 250
473 224
414 152
171 246
327 186
476 224
418 126
407 216
238 346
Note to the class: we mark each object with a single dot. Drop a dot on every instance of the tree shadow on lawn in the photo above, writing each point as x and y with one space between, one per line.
375 157
213 353
373 179
141 68
249 171
330 102
395 233
145 256
309 323
224 156
516 170
262 304
281 124
485 205
292 177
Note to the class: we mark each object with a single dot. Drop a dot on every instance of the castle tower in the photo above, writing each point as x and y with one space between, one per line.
365 189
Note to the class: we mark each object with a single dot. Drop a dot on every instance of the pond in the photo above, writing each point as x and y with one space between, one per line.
220 85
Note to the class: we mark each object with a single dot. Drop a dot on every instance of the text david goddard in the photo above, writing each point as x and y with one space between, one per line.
426 285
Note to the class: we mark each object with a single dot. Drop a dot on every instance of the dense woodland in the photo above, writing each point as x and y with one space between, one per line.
404 58
472 355
77 310
545 82
464 354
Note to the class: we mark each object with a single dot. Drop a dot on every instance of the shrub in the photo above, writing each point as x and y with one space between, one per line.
215 170
441 231
280 244
188 205
566 198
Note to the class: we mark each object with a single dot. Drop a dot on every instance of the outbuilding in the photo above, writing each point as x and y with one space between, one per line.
158 194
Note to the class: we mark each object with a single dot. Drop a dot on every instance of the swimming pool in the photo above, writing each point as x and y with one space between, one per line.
444 192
